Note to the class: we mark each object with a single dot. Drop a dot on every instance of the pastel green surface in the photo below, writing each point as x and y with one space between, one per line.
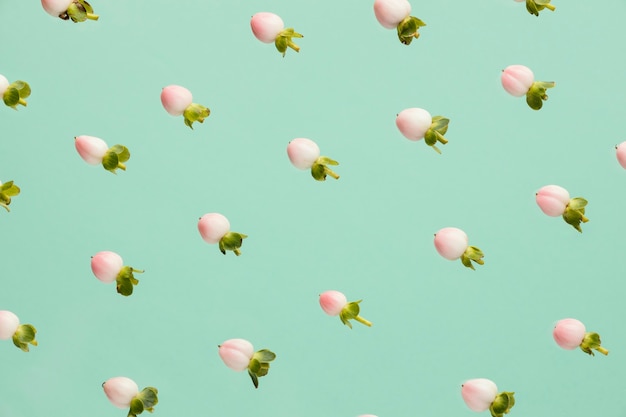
368 234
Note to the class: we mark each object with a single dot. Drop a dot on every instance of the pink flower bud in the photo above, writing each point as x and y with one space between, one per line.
91 149
106 266
303 153
4 84
9 323
390 13
176 99
120 391
517 80
451 242
552 200
621 154
56 7
332 302
569 333
213 227
479 393
236 353
413 123
266 26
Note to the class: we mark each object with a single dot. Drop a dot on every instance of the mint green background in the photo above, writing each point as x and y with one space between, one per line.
369 234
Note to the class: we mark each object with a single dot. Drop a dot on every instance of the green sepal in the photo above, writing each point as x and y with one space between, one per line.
536 94
320 170
434 134
86 6
408 29
575 213
472 253
284 40
25 335
136 407
22 87
9 189
11 97
149 398
232 241
350 312
195 113
259 365
76 11
125 280
535 6
592 341
115 157
502 404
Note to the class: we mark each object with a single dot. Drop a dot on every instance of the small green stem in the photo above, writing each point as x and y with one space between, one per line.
22 102
584 218
121 166
293 46
440 138
237 251
92 16
602 350
363 321
331 172
549 6
436 149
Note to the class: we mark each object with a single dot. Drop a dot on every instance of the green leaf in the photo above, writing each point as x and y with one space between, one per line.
430 137
87 6
345 320
189 123
11 191
254 365
254 378
282 43
136 406
122 152
110 161
532 7
124 287
577 203
440 124
318 172
77 12
6 186
149 398
535 102
263 370
22 87
11 97
264 355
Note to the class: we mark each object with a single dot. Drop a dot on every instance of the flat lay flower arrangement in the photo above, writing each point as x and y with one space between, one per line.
287 195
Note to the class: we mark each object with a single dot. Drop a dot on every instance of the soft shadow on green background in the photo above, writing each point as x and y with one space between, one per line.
369 234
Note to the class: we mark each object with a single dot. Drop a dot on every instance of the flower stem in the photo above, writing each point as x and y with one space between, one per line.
92 16
602 350
584 218
22 102
331 172
436 149
363 321
549 6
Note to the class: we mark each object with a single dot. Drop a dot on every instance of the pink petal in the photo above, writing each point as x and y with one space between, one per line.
91 149
621 154
552 200
56 7
4 84
120 391
303 153
479 393
569 333
517 80
332 302
413 123
9 323
390 13
236 353
213 227
451 242
176 99
266 26
106 265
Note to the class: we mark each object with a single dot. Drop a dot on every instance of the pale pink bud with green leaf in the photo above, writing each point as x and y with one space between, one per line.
91 148
552 200
76 10
236 354
479 393
620 151
266 26
535 6
120 391
305 154
517 80
106 266
452 243
335 303
22 334
14 93
176 99
215 228
9 324
269 27
569 333
390 13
